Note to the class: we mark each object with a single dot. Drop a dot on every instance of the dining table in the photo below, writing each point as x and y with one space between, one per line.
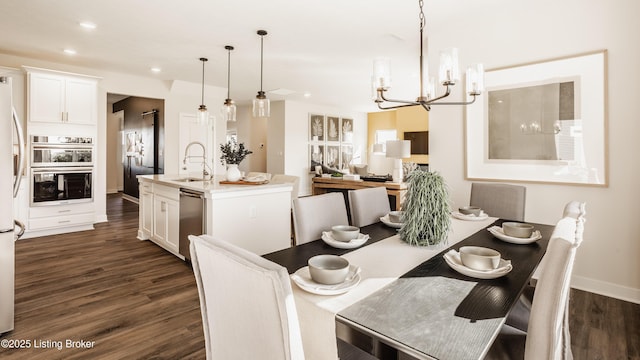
408 300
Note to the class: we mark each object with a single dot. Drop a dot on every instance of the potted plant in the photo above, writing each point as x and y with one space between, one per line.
426 210
232 154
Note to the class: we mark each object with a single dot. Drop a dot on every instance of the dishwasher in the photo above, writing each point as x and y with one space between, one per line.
192 212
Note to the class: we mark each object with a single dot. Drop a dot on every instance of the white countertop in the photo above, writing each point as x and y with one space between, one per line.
213 186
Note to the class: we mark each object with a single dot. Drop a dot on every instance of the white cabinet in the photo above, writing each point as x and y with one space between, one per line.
159 214
58 217
55 98
146 210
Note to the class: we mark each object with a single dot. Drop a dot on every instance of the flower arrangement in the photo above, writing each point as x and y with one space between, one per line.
233 153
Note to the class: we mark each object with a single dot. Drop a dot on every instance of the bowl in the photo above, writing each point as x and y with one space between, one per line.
470 210
516 229
328 269
479 258
395 217
345 233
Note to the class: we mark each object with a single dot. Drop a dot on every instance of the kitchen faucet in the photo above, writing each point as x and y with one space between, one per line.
206 175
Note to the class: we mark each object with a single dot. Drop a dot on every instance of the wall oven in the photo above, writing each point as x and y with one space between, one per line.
49 151
61 170
57 186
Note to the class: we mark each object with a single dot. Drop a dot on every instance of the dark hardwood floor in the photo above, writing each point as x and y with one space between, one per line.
131 299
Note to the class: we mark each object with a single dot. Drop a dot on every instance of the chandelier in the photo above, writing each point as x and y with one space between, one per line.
449 74
203 113
261 104
229 106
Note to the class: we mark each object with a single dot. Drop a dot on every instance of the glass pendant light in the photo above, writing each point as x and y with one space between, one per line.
261 105
229 107
203 114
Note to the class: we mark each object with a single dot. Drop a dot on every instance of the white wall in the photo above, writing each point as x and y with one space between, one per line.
253 133
296 139
518 32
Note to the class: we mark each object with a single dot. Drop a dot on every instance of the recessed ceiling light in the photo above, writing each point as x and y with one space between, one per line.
307 94
156 69
88 25
69 51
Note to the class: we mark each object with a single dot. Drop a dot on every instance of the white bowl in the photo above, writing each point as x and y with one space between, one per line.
516 229
328 269
479 258
470 210
345 232
395 217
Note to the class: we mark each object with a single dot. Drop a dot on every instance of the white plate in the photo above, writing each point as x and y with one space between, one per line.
304 282
497 232
385 220
452 258
327 237
471 217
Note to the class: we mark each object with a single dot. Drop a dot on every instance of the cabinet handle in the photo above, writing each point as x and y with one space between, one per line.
63 211
63 221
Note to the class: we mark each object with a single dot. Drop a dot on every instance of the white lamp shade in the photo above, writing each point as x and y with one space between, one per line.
475 79
449 69
381 73
398 149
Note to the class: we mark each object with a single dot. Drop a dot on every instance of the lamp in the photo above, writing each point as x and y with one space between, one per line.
261 105
229 107
449 75
203 114
398 149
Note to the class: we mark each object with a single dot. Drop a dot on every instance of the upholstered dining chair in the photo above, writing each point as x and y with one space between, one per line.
314 214
287 179
368 205
247 305
547 335
505 201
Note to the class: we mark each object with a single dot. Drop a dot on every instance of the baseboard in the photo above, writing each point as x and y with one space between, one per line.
101 218
112 191
607 289
130 198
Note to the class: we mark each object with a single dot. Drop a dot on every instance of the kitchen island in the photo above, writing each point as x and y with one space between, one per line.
254 217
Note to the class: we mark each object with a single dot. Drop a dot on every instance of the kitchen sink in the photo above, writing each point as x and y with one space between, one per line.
188 179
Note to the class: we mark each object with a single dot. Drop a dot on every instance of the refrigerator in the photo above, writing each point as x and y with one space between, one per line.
10 169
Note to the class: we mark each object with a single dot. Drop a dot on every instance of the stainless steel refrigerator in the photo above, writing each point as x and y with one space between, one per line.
10 171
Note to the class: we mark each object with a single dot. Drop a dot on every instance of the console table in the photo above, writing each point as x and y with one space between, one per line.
322 185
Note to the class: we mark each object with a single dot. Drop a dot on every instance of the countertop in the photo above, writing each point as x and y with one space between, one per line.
213 186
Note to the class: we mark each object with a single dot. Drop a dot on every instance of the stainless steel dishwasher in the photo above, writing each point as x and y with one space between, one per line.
192 212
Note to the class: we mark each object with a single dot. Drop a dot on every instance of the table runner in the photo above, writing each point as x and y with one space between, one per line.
382 263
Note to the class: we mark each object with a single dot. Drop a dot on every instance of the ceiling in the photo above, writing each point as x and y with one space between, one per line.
324 47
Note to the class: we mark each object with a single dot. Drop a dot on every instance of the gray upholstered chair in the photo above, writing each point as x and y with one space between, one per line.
314 214
368 205
505 201
247 305
547 335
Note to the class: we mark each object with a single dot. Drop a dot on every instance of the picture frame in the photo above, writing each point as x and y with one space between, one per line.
346 155
316 156
541 122
317 125
332 156
333 128
346 130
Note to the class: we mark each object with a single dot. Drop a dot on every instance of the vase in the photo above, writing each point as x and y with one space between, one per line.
233 173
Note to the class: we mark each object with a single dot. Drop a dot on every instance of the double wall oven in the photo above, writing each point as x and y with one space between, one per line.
61 170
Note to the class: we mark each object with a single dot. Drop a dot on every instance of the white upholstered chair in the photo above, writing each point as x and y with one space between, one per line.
247 305
314 214
547 336
505 201
368 205
287 179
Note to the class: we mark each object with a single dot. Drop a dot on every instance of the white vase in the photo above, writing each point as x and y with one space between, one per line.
233 173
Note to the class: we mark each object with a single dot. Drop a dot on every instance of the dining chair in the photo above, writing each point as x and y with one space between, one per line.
547 335
287 179
504 201
368 205
314 214
247 305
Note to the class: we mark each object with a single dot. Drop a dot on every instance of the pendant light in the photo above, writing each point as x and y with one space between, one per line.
203 114
261 105
229 107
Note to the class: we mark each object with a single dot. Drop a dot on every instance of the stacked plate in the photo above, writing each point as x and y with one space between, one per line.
385 220
302 278
499 233
470 217
452 258
327 237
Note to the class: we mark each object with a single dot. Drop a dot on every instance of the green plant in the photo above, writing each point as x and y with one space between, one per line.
426 215
233 153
